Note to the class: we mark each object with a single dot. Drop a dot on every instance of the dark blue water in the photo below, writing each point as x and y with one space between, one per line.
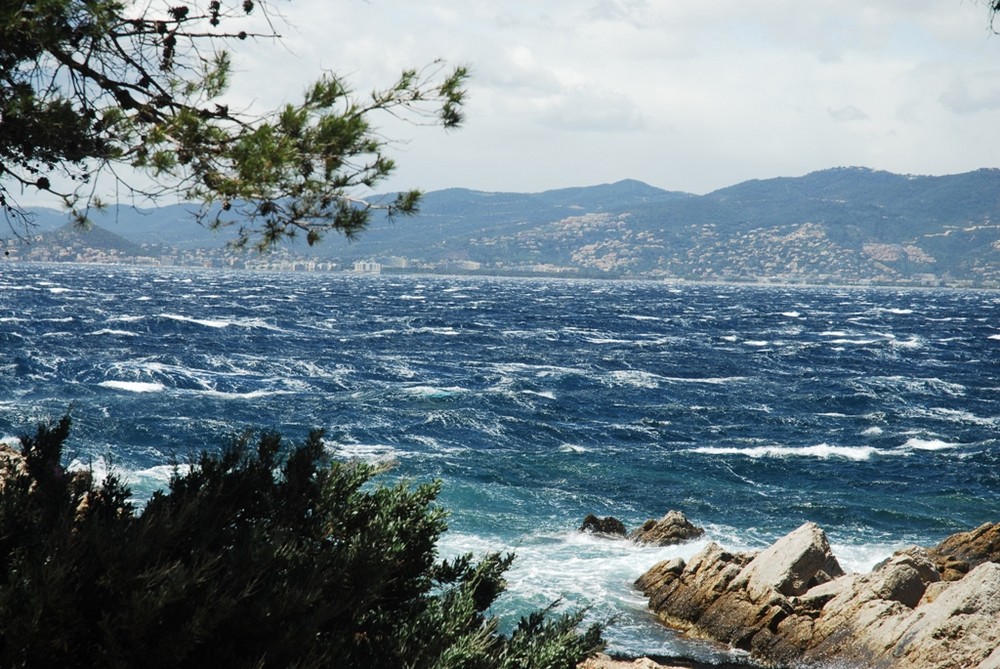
874 413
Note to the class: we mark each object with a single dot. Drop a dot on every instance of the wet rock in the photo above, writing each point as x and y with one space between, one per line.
610 526
673 528
791 604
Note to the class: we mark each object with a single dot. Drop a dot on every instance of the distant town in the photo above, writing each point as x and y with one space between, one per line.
842 226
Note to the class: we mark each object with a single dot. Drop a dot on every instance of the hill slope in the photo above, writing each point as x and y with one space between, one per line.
837 225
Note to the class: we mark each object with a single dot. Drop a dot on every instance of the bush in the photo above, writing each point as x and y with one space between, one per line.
260 556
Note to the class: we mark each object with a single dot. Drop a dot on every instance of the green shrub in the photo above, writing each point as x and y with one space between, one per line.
257 557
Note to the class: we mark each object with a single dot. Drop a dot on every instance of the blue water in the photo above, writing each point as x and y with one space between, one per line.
873 412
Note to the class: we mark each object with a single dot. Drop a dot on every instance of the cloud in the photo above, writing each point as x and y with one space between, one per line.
848 113
961 100
591 109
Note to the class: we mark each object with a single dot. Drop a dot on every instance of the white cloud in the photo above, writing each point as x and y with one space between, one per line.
684 95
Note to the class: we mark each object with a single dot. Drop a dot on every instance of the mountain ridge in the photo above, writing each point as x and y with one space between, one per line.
845 224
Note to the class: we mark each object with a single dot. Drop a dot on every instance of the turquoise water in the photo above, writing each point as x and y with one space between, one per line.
873 412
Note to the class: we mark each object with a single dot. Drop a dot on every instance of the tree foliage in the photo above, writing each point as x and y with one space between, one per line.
261 556
91 86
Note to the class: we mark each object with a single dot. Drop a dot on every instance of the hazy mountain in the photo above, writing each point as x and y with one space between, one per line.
843 224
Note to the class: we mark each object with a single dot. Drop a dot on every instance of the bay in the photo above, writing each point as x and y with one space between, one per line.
752 409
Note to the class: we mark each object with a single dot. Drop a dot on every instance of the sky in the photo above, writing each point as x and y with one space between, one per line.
689 95
685 95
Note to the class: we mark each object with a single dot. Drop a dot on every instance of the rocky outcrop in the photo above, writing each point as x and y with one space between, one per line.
957 554
602 661
792 603
673 528
609 526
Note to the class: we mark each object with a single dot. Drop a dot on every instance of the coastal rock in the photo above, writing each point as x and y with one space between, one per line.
737 597
957 554
610 526
792 604
602 661
673 528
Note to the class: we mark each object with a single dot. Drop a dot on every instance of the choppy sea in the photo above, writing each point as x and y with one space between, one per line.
873 412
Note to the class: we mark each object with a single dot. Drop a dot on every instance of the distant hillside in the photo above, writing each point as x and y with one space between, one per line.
839 225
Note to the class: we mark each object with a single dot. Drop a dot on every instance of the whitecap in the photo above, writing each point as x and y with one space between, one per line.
252 395
756 342
791 314
134 386
634 377
220 323
432 392
821 451
109 331
956 416
873 431
916 444
445 331
605 340
197 321
710 380
153 477
547 394
573 448
364 452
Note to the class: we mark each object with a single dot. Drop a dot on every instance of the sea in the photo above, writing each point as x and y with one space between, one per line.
874 412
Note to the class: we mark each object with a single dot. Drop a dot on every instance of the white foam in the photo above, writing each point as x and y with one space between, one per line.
573 448
252 395
220 323
711 380
150 477
547 394
964 417
873 431
916 444
862 558
633 377
431 392
376 453
134 386
109 331
756 342
198 321
605 340
821 451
